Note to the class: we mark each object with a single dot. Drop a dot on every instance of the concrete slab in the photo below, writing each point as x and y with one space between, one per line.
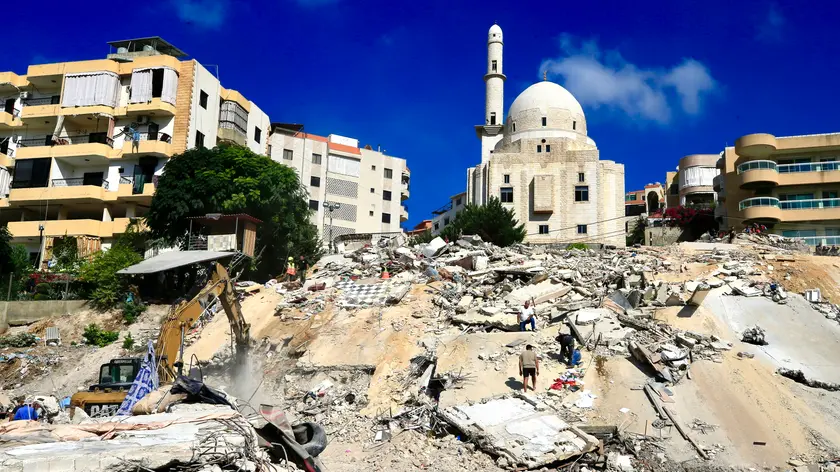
523 433
501 320
588 316
541 292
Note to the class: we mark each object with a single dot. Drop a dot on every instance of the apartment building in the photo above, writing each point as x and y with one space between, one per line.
82 143
368 186
692 183
447 213
791 184
650 200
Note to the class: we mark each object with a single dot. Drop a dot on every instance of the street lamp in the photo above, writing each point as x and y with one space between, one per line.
331 206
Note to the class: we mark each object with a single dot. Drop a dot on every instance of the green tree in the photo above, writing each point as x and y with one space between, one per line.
6 251
493 222
233 179
421 238
100 274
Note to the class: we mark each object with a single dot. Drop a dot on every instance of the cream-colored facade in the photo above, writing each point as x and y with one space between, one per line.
791 184
447 213
541 163
370 186
83 143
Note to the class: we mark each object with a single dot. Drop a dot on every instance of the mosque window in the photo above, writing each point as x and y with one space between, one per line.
386 217
574 125
581 193
539 147
514 127
492 118
507 178
494 66
543 229
506 195
544 121
548 148
581 177
582 229
389 173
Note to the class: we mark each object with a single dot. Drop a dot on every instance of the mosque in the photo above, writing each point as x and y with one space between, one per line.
541 163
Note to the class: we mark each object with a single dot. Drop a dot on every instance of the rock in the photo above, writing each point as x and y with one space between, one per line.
464 304
434 247
589 316
674 300
633 281
490 310
754 335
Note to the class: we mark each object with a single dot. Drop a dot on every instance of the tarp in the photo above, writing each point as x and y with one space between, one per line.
145 382
173 260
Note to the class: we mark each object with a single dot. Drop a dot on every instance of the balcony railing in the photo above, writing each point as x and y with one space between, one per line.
817 203
809 167
153 136
27 184
820 240
754 165
75 182
48 140
758 201
53 100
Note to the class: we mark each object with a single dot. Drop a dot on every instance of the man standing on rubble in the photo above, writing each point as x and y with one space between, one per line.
302 267
529 366
526 314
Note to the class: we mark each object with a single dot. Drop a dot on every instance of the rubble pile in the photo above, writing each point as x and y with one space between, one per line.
754 335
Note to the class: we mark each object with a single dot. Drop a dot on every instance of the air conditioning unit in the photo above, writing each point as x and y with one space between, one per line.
24 95
142 120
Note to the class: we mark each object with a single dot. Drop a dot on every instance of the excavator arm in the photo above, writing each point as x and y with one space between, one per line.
169 348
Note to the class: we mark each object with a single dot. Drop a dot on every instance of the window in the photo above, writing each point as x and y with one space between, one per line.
370 213
581 229
371 190
548 148
157 83
314 204
581 193
288 154
437 227
507 178
458 201
539 147
386 217
494 66
544 121
574 125
446 221
643 197
506 195
202 99
316 159
257 134
543 229
386 195
581 177
315 181
233 116
389 173
674 189
372 167
492 118
199 139
514 127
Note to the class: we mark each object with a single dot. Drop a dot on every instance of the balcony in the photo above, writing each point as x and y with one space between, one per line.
760 209
156 143
75 190
404 191
755 145
7 156
811 210
41 107
156 107
129 192
757 174
717 183
10 120
229 132
403 214
58 228
93 144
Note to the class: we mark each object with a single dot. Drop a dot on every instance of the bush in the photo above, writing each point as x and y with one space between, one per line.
132 310
18 340
95 336
580 246
101 273
128 342
422 238
493 222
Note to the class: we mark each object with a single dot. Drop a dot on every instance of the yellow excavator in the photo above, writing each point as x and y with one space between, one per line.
115 378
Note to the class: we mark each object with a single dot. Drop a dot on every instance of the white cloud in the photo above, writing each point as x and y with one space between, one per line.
605 79
769 28
209 14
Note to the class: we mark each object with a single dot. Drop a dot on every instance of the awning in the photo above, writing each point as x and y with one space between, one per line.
173 260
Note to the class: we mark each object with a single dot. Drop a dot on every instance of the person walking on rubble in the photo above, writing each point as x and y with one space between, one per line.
303 266
529 366
526 314
567 347
290 269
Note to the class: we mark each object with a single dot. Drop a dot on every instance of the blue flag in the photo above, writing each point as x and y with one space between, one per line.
145 382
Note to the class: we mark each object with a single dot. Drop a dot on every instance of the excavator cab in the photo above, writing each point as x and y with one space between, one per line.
117 374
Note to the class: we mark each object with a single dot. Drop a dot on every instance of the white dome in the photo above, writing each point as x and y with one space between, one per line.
545 95
495 34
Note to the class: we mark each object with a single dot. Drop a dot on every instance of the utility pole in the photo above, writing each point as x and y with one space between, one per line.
330 206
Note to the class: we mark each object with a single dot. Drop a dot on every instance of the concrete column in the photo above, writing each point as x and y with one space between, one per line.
62 213
106 214
131 210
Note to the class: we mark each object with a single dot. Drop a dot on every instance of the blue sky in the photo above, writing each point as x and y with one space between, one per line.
657 80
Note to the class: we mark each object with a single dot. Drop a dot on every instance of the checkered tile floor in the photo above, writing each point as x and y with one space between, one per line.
356 294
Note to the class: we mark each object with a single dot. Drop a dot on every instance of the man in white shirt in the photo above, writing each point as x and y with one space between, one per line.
526 314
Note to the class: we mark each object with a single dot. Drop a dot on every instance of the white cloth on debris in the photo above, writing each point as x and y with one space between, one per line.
525 314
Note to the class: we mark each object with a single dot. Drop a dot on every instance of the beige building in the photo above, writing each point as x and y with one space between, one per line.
541 163
692 184
369 186
82 143
791 184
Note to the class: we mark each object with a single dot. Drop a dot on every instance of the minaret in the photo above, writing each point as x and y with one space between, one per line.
494 79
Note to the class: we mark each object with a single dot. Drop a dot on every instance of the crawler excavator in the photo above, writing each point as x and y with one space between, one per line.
115 378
